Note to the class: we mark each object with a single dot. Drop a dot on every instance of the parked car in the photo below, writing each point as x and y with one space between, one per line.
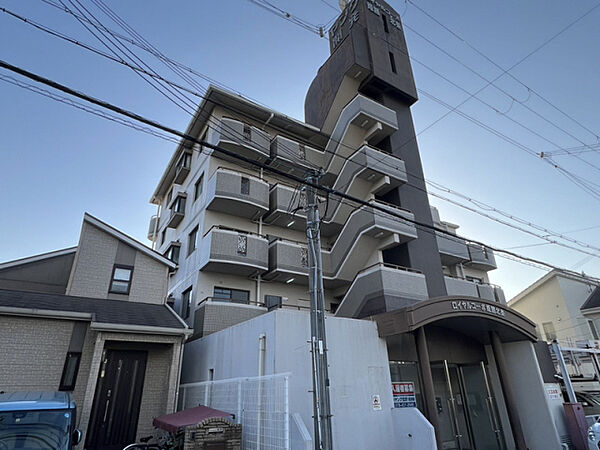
38 420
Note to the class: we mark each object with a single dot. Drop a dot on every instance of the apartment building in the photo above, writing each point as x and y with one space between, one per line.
237 234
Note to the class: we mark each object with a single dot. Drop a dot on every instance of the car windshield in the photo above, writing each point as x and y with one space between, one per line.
34 430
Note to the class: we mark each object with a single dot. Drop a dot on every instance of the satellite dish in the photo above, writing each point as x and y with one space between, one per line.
343 4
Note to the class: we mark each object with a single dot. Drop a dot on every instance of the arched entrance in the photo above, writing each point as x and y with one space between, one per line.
465 386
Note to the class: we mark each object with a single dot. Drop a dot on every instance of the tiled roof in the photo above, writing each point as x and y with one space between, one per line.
102 310
593 301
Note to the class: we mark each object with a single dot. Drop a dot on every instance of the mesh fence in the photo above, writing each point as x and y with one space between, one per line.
260 404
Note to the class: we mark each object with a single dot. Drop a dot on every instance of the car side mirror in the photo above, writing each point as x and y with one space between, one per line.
77 434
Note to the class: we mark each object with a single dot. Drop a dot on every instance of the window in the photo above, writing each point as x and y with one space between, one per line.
231 295
198 187
185 160
593 329
393 62
121 279
173 253
186 300
474 279
169 196
272 302
549 331
245 188
192 240
69 374
385 24
179 205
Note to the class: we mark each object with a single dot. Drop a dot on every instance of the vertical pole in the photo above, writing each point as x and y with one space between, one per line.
564 372
509 394
323 432
286 424
239 405
428 387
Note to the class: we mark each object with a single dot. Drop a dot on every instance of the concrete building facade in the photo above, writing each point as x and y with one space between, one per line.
237 234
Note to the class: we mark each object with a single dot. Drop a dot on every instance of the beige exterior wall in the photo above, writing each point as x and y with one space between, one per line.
92 270
547 304
32 354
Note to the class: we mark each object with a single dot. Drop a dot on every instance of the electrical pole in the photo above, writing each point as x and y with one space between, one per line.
322 406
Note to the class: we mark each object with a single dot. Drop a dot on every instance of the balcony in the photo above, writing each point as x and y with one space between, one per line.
453 250
182 168
243 139
176 210
459 286
288 260
237 193
380 288
215 314
293 157
285 200
480 257
233 251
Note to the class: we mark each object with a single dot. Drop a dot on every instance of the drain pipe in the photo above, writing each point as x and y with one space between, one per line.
262 348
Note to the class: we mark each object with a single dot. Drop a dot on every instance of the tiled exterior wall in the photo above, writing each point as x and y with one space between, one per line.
93 268
218 316
32 354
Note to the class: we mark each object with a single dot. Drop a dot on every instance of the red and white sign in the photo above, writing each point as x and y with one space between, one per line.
404 394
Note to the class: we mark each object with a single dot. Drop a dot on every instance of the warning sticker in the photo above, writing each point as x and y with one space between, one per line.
376 403
404 394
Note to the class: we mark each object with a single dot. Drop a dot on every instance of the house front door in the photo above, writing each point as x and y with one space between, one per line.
116 407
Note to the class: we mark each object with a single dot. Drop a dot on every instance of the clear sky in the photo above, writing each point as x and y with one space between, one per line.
57 162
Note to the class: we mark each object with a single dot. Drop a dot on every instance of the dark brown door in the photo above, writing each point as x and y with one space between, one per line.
116 408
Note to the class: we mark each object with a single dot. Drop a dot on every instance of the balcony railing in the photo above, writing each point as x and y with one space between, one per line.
481 257
243 139
453 249
294 157
382 287
233 251
237 193
182 168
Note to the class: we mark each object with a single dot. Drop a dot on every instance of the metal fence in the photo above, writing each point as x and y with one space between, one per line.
260 404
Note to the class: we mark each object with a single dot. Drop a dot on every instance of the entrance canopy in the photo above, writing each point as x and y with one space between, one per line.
471 316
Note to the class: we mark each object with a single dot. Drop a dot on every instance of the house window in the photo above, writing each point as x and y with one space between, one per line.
245 188
593 329
392 62
198 187
186 300
272 302
549 331
192 240
121 279
231 295
70 370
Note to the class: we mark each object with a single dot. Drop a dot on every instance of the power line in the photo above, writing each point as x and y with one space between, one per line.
158 54
230 154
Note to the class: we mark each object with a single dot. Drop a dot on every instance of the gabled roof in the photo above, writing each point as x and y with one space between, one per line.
547 277
593 301
101 312
36 258
128 240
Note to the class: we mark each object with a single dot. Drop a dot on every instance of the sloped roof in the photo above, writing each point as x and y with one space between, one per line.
101 311
36 258
593 301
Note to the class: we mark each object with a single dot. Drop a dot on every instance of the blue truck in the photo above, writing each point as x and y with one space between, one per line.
38 420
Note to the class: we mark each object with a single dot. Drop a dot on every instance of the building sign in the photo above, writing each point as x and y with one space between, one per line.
404 394
339 30
376 403
553 392
470 305
377 8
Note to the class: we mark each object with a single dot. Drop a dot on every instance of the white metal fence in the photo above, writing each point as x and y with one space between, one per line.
260 404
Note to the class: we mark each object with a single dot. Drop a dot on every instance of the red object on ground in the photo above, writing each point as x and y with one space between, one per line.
191 416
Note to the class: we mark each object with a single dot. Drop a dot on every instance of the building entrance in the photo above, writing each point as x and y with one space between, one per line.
466 407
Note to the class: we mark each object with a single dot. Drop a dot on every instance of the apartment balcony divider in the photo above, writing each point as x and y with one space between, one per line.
237 193
243 139
232 251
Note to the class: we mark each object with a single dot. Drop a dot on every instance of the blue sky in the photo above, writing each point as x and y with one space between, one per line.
58 162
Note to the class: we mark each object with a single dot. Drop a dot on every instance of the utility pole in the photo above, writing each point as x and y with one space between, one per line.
322 405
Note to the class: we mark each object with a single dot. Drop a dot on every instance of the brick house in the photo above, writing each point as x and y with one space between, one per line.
93 320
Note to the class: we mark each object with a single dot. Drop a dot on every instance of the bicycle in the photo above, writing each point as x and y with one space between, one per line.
166 442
